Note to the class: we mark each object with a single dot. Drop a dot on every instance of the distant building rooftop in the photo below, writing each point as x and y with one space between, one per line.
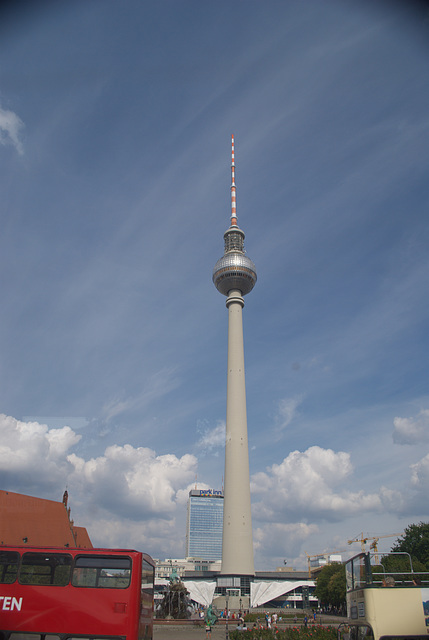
294 576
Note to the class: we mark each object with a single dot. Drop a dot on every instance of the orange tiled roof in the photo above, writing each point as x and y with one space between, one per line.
82 538
38 522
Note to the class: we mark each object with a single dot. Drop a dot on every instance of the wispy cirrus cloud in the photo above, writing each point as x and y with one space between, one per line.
286 412
211 438
11 126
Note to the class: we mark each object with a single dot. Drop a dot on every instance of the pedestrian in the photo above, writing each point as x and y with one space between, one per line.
305 620
388 581
208 630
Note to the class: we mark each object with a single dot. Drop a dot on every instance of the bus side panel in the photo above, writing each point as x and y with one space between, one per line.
69 609
102 611
146 617
385 610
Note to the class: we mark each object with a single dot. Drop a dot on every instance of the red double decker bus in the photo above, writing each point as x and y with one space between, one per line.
49 593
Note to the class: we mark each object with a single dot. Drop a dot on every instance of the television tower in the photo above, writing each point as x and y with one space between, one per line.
234 275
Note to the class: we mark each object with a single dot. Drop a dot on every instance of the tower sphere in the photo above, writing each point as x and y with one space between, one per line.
234 271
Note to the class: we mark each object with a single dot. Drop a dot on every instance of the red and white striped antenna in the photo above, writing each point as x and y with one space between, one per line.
233 190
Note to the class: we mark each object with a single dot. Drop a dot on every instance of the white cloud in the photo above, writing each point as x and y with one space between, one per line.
304 485
183 494
10 128
126 497
412 430
287 410
30 448
61 440
211 438
130 496
159 538
393 500
420 474
414 501
282 540
133 482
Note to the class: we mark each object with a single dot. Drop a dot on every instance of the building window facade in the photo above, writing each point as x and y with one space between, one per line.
204 525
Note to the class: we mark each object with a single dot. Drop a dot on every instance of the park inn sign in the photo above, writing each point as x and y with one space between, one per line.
206 493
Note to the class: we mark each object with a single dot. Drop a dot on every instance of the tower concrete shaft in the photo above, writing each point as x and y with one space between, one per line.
237 539
234 275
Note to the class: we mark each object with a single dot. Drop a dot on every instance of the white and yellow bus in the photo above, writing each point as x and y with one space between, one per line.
384 605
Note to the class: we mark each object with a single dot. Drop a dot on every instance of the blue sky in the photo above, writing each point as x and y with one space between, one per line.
115 125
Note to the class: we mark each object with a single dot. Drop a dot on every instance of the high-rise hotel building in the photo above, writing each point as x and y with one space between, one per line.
204 524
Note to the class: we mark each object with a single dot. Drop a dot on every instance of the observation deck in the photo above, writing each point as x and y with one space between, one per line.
234 271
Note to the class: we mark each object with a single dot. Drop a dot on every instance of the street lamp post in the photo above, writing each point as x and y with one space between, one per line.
227 616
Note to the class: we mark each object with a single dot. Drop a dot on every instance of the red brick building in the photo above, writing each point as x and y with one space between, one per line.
38 522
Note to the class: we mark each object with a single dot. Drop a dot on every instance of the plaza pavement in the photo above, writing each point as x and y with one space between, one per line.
186 632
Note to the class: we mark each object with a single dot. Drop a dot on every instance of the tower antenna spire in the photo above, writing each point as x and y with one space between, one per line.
233 189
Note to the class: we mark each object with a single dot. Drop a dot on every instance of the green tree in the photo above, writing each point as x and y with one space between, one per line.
398 566
337 588
415 541
331 585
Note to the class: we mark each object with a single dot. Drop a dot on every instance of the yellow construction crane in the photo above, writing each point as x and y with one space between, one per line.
363 540
325 554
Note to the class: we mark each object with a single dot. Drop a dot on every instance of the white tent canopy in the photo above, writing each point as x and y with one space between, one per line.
262 592
162 581
201 592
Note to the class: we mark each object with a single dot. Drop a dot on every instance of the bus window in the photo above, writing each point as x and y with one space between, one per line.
358 572
363 632
112 572
147 579
45 568
361 571
16 635
354 632
349 576
8 566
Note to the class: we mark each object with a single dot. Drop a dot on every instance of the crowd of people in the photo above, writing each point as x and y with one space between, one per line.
269 621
